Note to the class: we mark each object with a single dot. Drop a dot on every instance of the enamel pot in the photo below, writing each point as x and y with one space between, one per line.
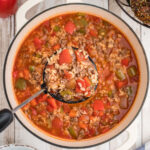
59 10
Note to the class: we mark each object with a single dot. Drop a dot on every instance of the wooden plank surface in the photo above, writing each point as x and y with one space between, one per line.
6 35
17 134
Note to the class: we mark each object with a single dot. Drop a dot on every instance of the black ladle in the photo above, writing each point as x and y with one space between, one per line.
6 115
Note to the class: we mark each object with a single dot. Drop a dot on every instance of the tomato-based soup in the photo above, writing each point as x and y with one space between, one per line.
117 67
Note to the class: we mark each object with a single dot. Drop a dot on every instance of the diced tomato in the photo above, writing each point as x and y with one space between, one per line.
85 109
105 130
98 105
42 98
84 118
97 20
59 103
51 101
26 74
56 47
50 108
34 112
93 32
33 102
91 131
15 74
53 34
57 123
87 81
92 117
120 84
78 88
107 105
83 125
125 61
67 75
65 57
66 108
43 113
70 27
96 113
101 113
50 66
38 43
72 113
80 57
46 23
89 94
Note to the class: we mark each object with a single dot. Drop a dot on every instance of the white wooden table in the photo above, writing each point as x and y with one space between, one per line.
17 134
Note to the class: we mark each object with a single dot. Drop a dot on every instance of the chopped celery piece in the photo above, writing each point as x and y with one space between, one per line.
102 32
80 14
56 28
132 71
120 75
72 132
110 94
38 55
31 68
61 109
81 30
129 90
82 22
66 92
21 84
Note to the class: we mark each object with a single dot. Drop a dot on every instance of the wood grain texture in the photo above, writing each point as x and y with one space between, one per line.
16 132
6 35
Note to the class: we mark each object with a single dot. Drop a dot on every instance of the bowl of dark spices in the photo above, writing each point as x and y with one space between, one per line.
138 10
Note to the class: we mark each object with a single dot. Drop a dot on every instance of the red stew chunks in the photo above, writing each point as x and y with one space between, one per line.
117 67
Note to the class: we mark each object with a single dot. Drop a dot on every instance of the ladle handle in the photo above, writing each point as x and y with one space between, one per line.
28 100
6 117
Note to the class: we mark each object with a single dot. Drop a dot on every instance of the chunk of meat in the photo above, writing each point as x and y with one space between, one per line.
123 102
71 84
